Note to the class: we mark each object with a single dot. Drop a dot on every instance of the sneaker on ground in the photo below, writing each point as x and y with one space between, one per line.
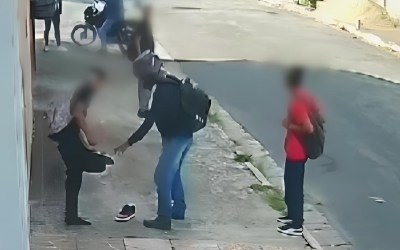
285 220
290 230
61 48
46 48
127 213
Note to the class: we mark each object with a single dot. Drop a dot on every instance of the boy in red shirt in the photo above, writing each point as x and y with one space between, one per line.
298 125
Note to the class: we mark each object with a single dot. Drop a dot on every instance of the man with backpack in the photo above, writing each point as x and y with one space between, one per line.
176 124
304 140
75 139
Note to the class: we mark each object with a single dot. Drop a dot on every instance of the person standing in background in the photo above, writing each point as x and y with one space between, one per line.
139 16
55 19
115 14
298 126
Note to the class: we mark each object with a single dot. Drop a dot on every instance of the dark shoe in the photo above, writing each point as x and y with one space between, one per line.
161 224
284 220
77 222
178 217
288 229
109 161
143 114
127 213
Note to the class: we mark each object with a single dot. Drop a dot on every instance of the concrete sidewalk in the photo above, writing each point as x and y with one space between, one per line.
221 206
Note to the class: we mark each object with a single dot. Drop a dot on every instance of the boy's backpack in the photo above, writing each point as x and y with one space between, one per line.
315 141
195 102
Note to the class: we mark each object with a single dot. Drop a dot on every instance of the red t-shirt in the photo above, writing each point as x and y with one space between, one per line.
299 108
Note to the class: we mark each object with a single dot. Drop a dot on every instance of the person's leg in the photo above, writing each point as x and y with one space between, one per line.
298 194
144 99
47 25
103 31
73 185
288 187
56 24
178 194
164 175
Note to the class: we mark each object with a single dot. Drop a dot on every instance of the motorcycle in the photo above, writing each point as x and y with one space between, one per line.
94 16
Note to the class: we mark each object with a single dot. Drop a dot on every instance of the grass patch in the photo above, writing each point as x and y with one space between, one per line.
273 196
242 158
214 118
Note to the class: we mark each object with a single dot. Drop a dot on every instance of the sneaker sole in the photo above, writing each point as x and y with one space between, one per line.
118 219
284 221
290 234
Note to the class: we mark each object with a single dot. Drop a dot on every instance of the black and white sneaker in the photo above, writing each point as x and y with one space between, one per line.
289 230
127 213
284 220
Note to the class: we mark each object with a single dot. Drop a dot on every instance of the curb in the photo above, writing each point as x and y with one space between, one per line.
369 38
263 166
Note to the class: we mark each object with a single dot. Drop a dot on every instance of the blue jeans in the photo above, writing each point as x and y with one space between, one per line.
294 191
104 30
168 176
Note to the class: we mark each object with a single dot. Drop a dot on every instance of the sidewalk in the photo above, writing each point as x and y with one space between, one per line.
222 209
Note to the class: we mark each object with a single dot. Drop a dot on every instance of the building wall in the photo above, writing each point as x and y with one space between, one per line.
392 7
14 212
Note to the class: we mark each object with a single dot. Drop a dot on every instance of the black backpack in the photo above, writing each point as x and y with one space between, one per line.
315 141
195 102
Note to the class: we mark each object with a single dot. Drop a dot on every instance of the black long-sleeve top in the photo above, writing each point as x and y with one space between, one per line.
167 113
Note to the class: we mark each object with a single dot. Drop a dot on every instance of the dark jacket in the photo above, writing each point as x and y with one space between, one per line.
167 113
45 9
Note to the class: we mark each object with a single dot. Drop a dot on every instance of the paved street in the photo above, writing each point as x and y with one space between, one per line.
360 161
362 134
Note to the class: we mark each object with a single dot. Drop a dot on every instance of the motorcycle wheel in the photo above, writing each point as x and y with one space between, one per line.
80 34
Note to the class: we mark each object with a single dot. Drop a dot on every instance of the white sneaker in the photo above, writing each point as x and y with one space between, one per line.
289 230
106 172
61 48
46 48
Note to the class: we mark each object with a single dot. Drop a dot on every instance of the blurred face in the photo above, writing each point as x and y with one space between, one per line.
97 81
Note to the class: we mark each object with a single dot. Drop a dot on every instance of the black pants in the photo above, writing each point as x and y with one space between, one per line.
56 23
294 191
78 160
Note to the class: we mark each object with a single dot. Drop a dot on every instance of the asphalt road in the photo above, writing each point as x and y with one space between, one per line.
363 140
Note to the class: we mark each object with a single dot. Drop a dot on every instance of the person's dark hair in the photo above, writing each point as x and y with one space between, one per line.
295 76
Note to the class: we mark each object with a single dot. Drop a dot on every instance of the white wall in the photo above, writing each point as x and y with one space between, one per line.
14 212
393 7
